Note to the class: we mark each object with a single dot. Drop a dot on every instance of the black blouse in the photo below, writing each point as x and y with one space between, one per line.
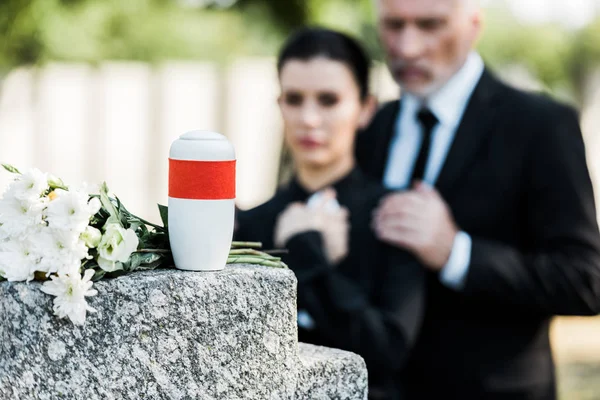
371 302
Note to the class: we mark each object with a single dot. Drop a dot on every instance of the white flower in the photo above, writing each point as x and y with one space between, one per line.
109 266
29 186
59 251
17 259
55 182
116 247
71 210
91 237
70 291
20 217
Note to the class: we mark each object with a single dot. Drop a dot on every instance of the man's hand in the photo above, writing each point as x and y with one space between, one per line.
418 221
336 233
333 225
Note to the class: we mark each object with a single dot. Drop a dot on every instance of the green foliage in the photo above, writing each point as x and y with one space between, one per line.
584 56
164 215
356 17
11 169
153 248
34 31
20 40
283 14
544 50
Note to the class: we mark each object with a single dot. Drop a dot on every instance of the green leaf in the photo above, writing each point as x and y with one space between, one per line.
134 261
11 169
98 274
164 215
108 206
145 261
153 265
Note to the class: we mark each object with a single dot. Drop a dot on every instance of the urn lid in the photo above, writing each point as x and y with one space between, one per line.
202 145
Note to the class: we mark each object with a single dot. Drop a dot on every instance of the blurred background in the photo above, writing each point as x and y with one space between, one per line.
96 90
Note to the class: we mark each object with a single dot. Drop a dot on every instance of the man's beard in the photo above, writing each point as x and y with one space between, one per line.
413 76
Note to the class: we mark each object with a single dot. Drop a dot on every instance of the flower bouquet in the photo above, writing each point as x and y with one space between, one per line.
69 238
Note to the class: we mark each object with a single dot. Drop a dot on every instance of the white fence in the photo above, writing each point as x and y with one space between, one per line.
116 122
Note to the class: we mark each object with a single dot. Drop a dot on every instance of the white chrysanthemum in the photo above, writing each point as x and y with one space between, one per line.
116 247
59 251
17 259
20 217
4 234
30 186
71 210
70 291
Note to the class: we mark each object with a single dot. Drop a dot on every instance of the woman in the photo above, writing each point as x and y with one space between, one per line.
354 292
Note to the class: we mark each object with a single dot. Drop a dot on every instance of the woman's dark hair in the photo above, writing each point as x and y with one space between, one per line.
309 43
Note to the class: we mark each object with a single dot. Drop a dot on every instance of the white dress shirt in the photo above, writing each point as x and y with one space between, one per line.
448 105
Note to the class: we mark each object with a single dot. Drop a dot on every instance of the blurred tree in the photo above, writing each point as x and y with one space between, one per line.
20 41
356 17
560 58
584 57
542 49
33 31
285 14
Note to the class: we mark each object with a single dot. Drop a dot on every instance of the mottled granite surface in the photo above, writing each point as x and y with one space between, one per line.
326 373
170 334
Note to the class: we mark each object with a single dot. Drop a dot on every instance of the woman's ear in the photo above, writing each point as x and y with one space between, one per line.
367 111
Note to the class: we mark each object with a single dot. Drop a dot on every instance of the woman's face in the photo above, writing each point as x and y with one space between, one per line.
321 108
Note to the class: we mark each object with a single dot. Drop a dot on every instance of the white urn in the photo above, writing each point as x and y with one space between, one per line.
201 200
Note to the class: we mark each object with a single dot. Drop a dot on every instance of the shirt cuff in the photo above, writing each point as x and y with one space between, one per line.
305 320
455 271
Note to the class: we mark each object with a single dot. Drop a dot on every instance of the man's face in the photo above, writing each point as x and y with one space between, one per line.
426 41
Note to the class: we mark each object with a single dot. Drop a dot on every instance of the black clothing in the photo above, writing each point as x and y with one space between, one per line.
516 181
369 303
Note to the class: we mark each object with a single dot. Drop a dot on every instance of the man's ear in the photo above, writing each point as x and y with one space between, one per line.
368 110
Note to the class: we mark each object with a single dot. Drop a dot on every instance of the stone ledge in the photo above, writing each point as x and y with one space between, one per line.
171 334
326 374
164 334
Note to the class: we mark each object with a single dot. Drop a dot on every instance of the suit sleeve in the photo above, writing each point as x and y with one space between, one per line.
371 144
381 327
560 274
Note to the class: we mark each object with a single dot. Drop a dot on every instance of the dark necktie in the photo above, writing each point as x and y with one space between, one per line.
428 121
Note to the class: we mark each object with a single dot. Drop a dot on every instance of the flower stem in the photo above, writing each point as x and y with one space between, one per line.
143 221
162 251
255 260
252 252
252 245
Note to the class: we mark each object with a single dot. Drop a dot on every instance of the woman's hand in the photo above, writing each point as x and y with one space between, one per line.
335 232
332 224
295 219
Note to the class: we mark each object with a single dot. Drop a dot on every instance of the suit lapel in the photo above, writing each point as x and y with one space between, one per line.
387 127
476 124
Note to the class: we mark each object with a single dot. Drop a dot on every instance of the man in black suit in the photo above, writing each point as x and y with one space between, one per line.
495 200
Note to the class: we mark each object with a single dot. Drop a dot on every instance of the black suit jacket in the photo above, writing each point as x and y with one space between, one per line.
516 180
371 302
